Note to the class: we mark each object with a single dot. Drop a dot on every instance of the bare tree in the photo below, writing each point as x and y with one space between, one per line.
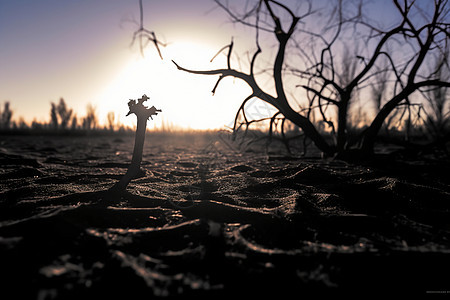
323 83
438 99
431 36
74 122
379 86
64 113
111 117
280 101
90 120
5 116
53 116
60 114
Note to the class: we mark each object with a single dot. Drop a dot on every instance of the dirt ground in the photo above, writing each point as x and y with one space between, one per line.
208 218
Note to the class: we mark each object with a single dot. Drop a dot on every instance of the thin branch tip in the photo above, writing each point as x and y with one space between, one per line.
178 67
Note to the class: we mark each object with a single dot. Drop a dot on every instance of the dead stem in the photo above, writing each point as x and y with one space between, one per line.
143 114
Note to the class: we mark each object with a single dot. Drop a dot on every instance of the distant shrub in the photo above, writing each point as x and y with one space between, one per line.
5 116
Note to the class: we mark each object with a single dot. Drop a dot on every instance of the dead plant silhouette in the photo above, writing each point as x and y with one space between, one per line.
5 116
145 36
143 114
324 86
60 115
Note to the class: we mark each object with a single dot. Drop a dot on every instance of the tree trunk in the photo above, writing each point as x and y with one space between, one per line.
342 124
368 141
135 166
308 128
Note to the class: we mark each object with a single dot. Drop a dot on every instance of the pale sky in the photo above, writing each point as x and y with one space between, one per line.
79 50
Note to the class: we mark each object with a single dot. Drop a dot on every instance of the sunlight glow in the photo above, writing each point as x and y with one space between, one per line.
185 99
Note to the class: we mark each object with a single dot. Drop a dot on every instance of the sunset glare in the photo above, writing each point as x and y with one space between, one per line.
81 52
186 99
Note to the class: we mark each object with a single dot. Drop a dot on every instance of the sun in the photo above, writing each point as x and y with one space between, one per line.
185 99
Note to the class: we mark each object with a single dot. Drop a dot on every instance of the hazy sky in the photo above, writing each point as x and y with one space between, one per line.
79 50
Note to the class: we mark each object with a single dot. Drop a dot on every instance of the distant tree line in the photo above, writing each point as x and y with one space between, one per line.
62 120
62 117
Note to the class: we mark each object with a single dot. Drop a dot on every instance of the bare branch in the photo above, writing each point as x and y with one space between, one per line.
241 108
320 95
230 49
143 34
240 19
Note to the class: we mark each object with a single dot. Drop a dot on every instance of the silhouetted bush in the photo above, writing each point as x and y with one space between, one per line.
5 117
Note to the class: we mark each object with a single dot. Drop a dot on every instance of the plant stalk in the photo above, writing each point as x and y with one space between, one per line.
143 114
